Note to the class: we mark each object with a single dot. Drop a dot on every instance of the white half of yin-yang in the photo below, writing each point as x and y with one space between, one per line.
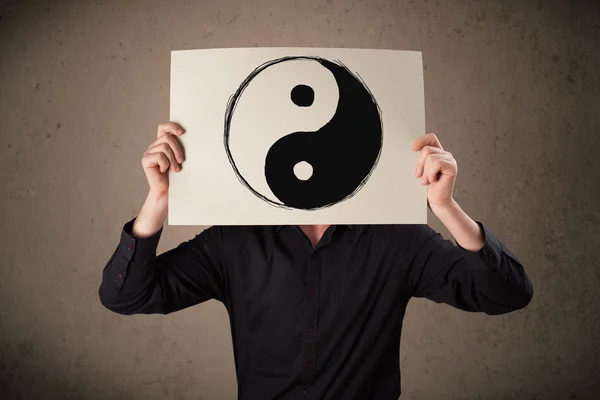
265 112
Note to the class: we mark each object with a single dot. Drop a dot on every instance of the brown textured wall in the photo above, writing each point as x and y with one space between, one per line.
512 89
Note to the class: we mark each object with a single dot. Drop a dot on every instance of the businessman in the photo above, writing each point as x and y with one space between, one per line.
316 310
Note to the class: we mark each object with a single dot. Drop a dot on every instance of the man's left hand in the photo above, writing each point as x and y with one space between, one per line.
437 168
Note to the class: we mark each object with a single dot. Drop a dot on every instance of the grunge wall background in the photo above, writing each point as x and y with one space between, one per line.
511 90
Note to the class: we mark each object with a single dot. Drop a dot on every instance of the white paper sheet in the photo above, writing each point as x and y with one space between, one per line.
283 136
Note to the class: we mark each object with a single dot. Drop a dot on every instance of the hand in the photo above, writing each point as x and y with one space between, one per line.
162 155
436 168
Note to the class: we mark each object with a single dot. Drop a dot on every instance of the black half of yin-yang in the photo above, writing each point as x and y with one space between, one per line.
342 153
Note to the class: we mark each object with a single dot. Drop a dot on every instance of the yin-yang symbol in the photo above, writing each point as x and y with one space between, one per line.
303 132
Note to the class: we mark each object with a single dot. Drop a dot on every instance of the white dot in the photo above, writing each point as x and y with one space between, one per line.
303 170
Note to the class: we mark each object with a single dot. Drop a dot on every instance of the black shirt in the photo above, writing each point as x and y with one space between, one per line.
320 323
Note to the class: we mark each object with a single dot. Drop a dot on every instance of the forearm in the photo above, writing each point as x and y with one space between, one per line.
507 290
130 273
463 228
151 217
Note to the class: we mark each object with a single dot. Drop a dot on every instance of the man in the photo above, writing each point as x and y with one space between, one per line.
316 311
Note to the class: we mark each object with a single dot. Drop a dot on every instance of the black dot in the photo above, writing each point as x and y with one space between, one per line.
303 96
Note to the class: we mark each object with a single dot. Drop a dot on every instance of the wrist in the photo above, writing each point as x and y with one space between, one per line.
151 217
158 198
448 208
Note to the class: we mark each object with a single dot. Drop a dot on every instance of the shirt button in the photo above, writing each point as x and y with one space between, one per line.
312 292
308 364
129 247
509 278
490 256
120 275
303 391
312 328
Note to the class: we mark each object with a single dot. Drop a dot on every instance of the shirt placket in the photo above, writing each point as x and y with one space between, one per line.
309 359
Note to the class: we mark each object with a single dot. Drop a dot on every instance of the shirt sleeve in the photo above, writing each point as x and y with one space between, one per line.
136 281
491 280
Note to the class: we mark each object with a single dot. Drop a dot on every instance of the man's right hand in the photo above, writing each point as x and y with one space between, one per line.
162 155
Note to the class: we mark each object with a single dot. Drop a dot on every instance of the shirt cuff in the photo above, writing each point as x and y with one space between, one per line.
490 255
141 248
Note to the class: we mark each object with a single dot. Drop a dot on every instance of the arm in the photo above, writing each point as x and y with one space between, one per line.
479 274
136 281
488 279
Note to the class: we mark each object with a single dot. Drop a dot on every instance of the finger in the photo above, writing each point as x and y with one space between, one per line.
169 127
175 147
166 149
173 143
159 159
425 151
436 163
428 170
434 168
429 139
